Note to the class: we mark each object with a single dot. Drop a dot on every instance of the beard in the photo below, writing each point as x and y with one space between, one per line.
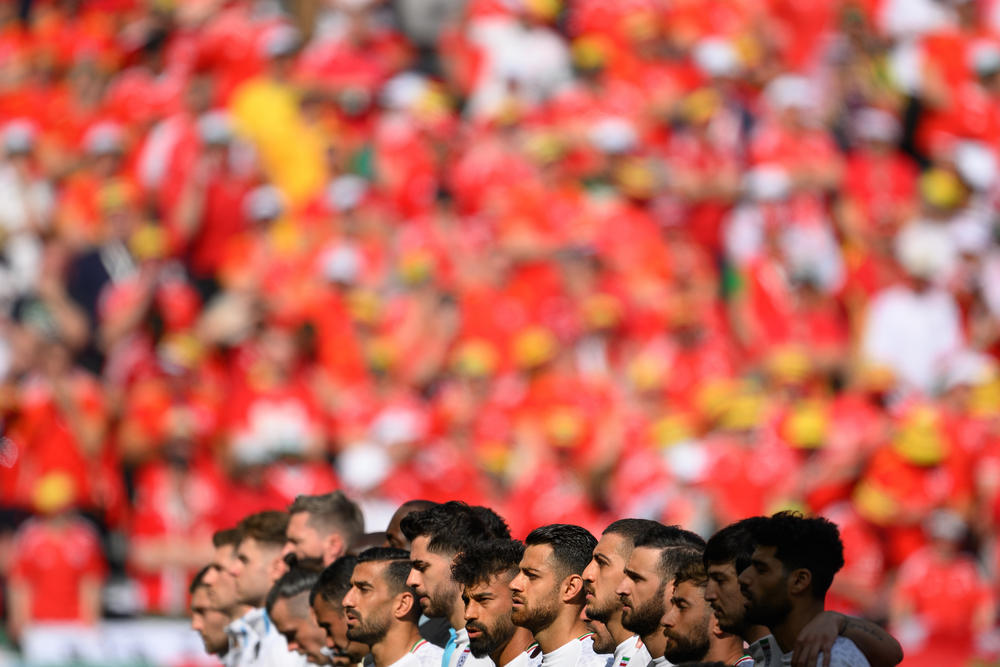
539 616
368 631
603 610
732 622
439 601
688 649
769 611
644 620
490 638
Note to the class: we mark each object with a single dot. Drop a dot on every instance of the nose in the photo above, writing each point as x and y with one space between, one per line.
287 549
517 583
624 589
348 601
669 617
413 578
471 611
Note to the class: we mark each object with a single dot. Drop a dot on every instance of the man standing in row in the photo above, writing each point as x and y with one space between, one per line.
288 608
322 528
326 599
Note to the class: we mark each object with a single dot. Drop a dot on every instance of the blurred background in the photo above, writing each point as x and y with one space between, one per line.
690 260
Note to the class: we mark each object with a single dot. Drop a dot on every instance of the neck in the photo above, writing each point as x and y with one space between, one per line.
561 631
786 632
656 643
239 611
617 630
727 649
398 640
755 632
457 615
521 640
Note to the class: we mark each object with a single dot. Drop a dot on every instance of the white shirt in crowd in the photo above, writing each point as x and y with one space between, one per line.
766 653
253 640
578 652
631 653
530 657
462 655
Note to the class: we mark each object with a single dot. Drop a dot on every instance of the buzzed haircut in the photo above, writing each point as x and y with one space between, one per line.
296 581
572 546
689 566
661 537
451 527
198 580
811 543
267 527
631 530
485 560
332 512
334 582
397 566
228 537
734 544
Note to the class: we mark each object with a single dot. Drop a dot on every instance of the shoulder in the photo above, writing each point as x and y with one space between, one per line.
846 654
590 658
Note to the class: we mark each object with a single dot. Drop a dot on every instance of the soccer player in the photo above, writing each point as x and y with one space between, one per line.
258 564
727 554
600 581
208 622
322 528
792 567
326 599
436 536
382 611
648 583
485 571
691 630
547 595
288 607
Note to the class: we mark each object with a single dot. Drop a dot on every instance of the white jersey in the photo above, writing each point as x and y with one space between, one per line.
659 662
462 655
631 653
766 653
427 654
530 657
578 652
253 640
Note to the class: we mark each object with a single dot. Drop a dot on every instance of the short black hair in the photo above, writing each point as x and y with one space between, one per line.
333 512
631 530
734 544
294 582
198 580
811 543
484 560
397 570
334 582
453 527
572 546
228 537
659 536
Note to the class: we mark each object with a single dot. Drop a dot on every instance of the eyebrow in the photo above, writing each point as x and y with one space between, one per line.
635 576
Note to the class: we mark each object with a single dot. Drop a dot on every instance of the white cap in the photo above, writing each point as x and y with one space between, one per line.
767 183
613 135
341 264
969 369
346 192
791 91
104 138
977 164
926 250
876 125
402 91
263 203
215 127
19 136
716 57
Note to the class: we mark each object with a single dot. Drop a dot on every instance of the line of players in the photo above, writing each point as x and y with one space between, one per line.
450 588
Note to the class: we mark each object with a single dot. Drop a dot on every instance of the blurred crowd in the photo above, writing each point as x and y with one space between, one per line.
688 260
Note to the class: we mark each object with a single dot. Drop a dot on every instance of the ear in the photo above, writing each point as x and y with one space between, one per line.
277 567
799 581
333 547
571 588
402 605
714 629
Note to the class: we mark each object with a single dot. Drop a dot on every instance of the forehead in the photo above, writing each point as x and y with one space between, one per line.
689 591
370 571
200 597
610 545
323 607
766 554
537 557
498 583
644 560
223 553
724 569
298 521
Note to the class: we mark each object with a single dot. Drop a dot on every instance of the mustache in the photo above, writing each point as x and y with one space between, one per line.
475 626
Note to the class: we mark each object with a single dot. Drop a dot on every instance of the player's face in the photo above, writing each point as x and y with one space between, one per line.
253 569
603 641
764 585
725 598
535 590
302 539
368 604
602 576
219 580
301 632
331 618
209 623
641 592
430 576
686 624
488 615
